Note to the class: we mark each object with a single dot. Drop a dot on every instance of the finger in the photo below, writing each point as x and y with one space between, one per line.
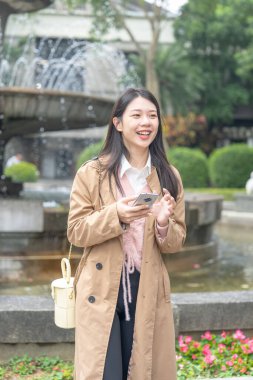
168 197
138 208
129 199
165 191
172 201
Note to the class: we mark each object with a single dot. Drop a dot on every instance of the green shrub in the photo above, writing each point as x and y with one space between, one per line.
192 165
88 153
231 166
22 172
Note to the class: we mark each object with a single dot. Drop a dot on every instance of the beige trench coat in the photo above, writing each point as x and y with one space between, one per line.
93 223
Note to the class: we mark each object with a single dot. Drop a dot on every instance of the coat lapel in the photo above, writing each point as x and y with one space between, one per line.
153 182
106 195
154 185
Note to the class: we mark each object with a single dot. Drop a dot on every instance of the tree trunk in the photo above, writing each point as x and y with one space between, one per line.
152 82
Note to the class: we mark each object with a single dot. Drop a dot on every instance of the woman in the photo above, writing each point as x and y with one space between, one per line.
124 321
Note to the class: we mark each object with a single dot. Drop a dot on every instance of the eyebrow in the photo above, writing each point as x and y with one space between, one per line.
140 110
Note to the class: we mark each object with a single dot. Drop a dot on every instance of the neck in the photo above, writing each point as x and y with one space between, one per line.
138 159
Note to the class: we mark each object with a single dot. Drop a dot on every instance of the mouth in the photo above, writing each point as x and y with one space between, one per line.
143 133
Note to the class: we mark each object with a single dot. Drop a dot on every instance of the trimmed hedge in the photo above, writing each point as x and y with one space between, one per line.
22 172
88 153
231 166
192 165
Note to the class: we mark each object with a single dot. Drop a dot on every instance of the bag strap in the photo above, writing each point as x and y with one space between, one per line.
70 251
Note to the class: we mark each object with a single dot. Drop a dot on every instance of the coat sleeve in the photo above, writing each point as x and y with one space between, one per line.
176 233
87 226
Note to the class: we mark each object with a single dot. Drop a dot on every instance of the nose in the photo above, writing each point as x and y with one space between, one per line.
145 120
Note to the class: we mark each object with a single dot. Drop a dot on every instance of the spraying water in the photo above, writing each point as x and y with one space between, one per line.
68 65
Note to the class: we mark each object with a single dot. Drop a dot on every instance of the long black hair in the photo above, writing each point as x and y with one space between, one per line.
114 146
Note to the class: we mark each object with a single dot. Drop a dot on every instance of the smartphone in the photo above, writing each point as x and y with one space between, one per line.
146 199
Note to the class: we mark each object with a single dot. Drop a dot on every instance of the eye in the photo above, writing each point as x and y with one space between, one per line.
136 115
153 116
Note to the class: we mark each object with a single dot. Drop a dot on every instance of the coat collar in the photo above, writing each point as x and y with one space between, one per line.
107 196
126 166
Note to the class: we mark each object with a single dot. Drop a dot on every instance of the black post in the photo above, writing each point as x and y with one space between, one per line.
4 12
2 147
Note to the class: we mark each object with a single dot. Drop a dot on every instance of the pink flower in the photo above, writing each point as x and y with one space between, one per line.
194 357
245 349
180 339
230 363
209 359
222 346
206 350
223 368
235 356
196 344
239 335
178 357
207 335
183 347
181 366
223 334
188 339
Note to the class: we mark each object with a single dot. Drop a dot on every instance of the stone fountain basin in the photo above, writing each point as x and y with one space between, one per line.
202 211
41 230
23 6
34 110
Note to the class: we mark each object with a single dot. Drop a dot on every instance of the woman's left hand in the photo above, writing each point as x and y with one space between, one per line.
163 209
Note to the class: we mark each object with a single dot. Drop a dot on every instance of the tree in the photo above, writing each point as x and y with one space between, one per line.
217 35
110 13
180 82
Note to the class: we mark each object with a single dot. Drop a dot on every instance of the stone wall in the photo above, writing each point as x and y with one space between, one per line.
27 322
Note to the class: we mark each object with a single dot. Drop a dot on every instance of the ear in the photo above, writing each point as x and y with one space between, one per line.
117 124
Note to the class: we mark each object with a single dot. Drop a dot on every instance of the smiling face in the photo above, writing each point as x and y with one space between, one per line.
139 124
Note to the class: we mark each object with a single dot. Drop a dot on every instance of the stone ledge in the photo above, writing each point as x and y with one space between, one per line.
244 202
231 217
214 311
15 218
29 319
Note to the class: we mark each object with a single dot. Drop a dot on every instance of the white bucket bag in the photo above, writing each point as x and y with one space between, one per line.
64 296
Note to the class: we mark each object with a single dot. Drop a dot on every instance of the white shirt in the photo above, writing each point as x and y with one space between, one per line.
12 161
136 177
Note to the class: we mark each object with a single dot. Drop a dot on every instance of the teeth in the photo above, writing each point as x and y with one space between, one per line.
144 133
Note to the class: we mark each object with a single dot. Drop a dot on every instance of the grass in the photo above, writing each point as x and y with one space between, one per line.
227 193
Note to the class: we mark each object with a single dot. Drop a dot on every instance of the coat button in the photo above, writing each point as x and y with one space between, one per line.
99 266
91 299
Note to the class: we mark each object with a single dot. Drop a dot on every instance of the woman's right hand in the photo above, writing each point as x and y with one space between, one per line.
128 213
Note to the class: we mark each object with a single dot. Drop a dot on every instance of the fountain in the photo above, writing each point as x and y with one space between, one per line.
8 7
